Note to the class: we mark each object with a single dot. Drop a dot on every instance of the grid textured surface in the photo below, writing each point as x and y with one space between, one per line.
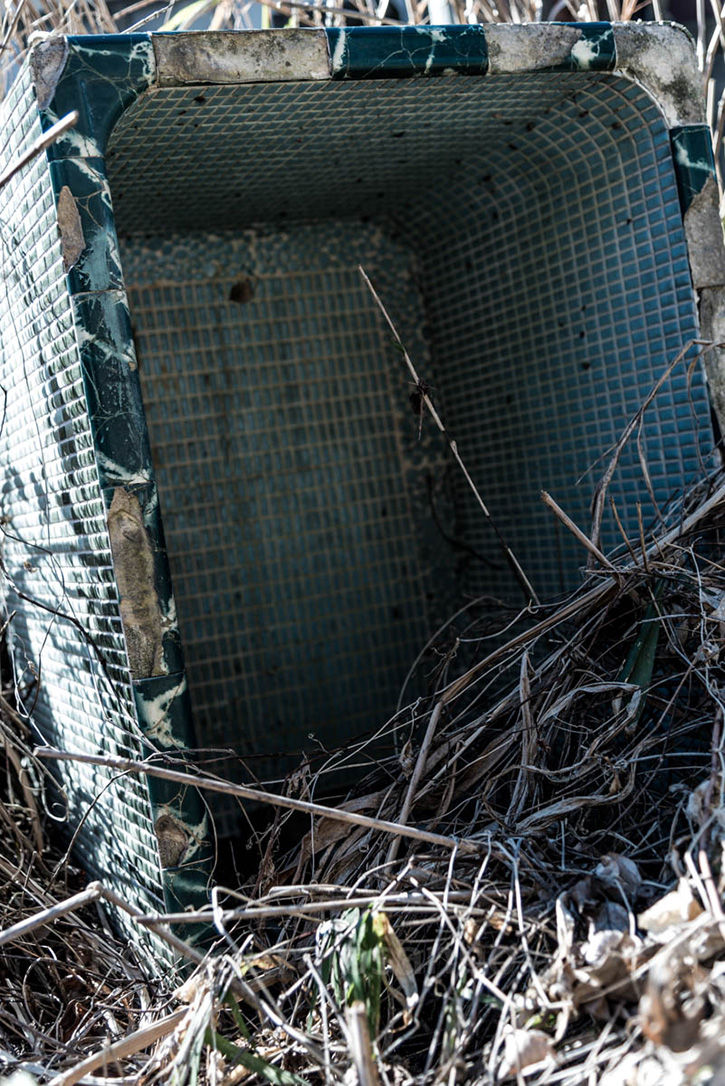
69 651
291 484
547 349
537 216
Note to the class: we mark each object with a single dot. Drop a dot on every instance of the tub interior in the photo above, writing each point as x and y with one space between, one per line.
525 237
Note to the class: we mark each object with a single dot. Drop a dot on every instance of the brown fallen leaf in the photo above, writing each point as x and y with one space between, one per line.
526 1051
329 831
672 1007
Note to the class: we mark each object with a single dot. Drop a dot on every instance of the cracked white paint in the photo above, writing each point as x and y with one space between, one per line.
157 721
585 53
143 52
338 57
113 473
168 610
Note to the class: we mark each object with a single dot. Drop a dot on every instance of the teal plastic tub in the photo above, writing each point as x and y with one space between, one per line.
224 526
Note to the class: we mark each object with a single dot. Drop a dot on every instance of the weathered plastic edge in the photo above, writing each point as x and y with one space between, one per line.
661 58
100 77
228 56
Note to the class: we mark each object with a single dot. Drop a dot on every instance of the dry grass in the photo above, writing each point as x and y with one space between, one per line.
66 986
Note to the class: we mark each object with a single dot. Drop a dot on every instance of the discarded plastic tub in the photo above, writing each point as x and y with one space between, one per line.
200 391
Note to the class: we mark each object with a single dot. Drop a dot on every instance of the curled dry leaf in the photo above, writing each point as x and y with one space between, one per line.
611 916
192 988
407 758
601 969
581 894
526 1051
673 1005
565 927
702 804
397 959
609 959
598 950
636 1070
329 831
618 871
677 907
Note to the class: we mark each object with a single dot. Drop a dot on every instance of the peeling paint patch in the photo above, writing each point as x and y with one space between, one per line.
115 474
529 48
157 714
338 54
584 54
712 327
550 47
694 163
47 61
133 563
250 56
704 234
662 60
172 838
72 242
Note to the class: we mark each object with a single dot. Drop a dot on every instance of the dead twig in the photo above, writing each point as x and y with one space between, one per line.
360 1047
524 583
38 146
120 1050
578 533
416 776
210 784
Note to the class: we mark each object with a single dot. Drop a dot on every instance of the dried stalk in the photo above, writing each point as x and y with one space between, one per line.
120 1050
38 146
360 1047
39 920
210 784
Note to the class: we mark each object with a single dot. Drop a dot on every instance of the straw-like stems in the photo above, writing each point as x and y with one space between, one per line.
556 769
210 784
578 533
46 916
360 1045
416 777
113 1054
602 488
